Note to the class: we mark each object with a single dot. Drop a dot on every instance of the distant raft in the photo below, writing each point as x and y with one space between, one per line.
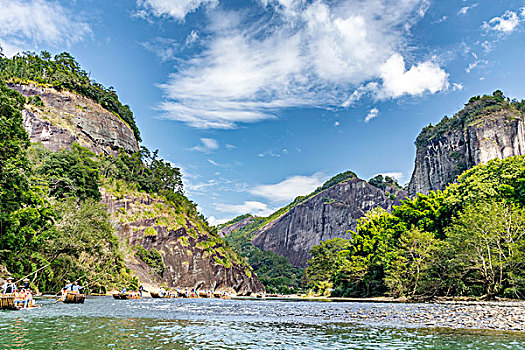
167 295
125 296
74 298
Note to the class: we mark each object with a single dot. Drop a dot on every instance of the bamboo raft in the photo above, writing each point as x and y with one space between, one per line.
168 295
7 302
125 296
74 298
121 296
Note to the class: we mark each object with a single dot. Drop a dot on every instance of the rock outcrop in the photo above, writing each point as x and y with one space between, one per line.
68 118
238 225
327 215
484 130
192 258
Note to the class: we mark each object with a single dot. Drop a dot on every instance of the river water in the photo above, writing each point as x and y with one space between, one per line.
105 323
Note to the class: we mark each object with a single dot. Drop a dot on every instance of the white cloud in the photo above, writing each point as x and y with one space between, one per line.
465 9
207 145
26 25
252 207
457 86
166 49
288 189
177 9
504 24
374 112
215 221
420 78
212 162
337 123
298 54
191 38
394 174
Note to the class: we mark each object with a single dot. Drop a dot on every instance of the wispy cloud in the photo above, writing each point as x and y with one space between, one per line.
177 9
252 207
288 189
207 146
298 54
465 9
374 112
27 25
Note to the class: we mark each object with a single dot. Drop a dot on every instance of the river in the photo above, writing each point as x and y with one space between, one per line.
105 323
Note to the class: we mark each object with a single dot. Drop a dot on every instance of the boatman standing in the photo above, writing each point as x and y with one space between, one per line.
76 288
9 287
26 284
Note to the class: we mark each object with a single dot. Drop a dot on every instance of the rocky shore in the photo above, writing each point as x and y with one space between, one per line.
500 316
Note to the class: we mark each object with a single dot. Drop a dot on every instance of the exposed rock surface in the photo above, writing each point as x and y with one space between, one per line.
327 215
188 258
227 230
440 159
68 117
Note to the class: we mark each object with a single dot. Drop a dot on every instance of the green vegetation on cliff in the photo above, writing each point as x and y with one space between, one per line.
474 110
41 227
466 240
50 214
275 272
63 72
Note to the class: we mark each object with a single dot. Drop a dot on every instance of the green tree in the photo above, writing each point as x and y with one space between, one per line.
411 263
72 172
488 246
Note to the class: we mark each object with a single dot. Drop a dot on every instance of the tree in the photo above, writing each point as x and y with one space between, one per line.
325 260
410 264
488 246
72 173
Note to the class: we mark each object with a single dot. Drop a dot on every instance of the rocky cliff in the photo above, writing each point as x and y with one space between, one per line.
191 257
488 127
328 214
161 245
67 117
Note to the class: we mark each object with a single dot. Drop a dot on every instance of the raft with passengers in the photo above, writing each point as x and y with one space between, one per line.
71 294
12 298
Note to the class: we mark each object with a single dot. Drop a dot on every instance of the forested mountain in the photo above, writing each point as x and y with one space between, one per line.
431 244
84 202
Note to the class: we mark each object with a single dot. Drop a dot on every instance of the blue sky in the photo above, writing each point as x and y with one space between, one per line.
260 101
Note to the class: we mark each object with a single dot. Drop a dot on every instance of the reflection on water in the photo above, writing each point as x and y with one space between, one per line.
218 324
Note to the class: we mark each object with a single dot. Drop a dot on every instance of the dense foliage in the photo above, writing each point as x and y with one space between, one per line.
50 219
152 258
466 240
41 228
275 272
63 72
384 182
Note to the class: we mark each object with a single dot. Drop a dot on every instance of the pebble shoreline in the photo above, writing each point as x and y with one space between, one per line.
500 316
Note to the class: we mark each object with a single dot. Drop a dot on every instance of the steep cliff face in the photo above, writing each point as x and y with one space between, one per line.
191 257
485 129
327 215
68 118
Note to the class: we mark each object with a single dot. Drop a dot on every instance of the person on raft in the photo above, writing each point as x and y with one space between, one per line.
9 287
26 284
76 288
